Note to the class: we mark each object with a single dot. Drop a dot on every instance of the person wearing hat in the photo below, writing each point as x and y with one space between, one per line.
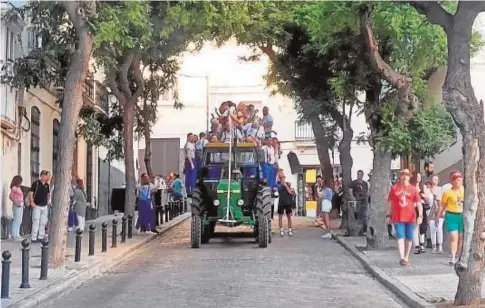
38 201
452 202
401 211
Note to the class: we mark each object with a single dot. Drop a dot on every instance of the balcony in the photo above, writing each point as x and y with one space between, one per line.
95 94
304 133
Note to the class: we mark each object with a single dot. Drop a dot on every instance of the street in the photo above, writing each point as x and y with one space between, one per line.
305 270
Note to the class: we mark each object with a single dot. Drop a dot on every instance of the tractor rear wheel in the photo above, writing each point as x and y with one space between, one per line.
264 203
196 231
263 236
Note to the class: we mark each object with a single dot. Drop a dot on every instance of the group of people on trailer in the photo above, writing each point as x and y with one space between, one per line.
237 123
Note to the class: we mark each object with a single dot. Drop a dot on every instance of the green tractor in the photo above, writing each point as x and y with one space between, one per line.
230 192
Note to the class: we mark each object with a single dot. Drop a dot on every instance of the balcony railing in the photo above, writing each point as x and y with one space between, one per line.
304 132
95 94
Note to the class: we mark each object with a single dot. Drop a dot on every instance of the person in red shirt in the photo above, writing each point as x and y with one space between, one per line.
401 211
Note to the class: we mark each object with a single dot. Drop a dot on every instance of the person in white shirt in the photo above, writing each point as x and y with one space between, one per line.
267 122
226 134
190 166
268 165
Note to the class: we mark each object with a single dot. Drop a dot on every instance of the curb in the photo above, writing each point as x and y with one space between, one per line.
74 282
399 289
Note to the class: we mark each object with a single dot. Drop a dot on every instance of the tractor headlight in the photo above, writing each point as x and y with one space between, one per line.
217 202
240 202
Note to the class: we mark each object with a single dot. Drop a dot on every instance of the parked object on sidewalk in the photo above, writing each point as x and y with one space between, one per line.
123 229
239 196
44 259
114 233
104 237
77 253
92 238
130 225
25 264
6 255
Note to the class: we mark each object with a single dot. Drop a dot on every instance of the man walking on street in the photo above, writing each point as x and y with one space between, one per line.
39 198
360 189
285 204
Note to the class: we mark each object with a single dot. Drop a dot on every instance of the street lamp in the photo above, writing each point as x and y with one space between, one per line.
207 98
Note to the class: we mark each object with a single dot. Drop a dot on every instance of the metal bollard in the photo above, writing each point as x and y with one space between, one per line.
44 259
185 206
166 212
77 251
92 239
104 237
177 208
161 212
6 273
114 235
130 226
25 264
170 210
123 229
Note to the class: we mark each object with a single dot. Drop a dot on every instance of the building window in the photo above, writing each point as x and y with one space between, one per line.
34 144
89 172
303 132
55 143
19 159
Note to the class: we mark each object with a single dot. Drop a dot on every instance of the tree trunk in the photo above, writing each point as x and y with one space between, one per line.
466 111
322 150
72 103
377 237
346 161
128 123
148 146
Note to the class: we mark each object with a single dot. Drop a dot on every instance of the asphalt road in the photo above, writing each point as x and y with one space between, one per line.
302 271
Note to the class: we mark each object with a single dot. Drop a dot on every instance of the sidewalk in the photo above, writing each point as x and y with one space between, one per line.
65 280
427 280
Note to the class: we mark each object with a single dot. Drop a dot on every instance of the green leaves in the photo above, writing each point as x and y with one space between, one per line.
429 132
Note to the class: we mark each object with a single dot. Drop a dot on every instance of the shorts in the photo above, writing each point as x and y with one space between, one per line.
454 222
326 206
404 230
285 209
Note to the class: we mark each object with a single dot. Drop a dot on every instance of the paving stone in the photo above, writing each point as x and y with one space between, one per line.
303 271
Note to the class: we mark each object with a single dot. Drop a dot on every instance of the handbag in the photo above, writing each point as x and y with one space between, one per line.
72 218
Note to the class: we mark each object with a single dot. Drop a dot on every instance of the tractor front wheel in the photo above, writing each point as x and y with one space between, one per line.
263 234
196 231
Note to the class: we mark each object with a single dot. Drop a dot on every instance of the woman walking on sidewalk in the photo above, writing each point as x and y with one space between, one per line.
435 223
80 204
403 201
452 204
17 198
145 222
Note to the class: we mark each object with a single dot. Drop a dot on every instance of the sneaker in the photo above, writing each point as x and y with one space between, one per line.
17 238
422 249
290 233
282 232
433 249
440 249
452 261
150 232
327 235
35 241
417 250
70 229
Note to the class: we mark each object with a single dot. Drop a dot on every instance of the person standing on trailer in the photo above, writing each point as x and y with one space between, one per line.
189 166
